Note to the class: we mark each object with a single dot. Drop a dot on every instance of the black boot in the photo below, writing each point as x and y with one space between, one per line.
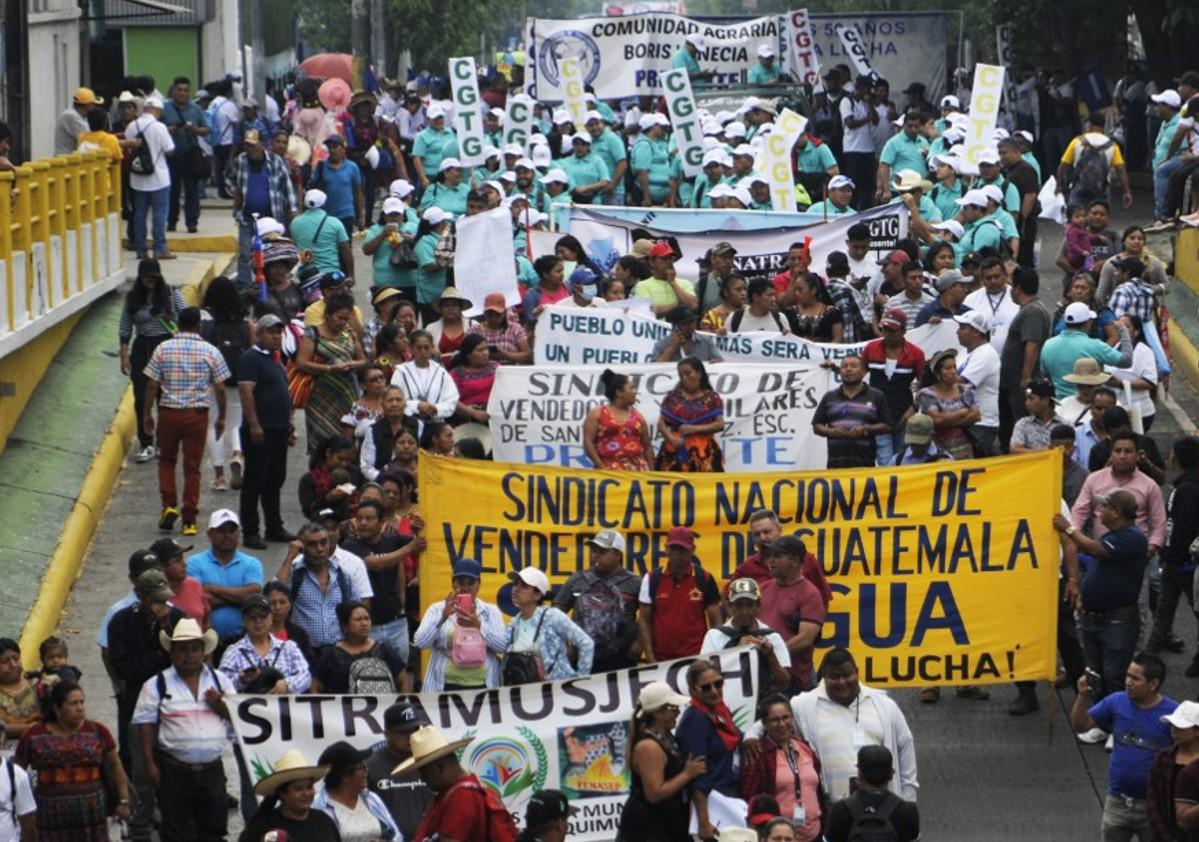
1024 704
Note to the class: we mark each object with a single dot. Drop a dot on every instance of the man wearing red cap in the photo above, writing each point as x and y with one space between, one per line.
679 603
664 290
894 364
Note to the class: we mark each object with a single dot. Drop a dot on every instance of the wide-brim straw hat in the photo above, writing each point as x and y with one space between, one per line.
428 745
292 766
188 629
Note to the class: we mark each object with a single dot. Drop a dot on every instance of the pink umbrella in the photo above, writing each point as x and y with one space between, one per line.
328 66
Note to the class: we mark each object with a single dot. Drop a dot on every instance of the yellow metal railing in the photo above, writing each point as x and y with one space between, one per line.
40 203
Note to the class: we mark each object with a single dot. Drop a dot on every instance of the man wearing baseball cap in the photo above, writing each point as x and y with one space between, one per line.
792 606
432 143
604 601
547 817
981 368
952 287
227 574
687 58
840 195
321 236
406 795
918 445
1059 353
73 122
745 629
766 71
664 289
151 189
679 602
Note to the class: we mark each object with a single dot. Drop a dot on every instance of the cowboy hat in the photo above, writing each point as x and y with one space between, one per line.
452 294
428 744
188 629
290 767
473 429
299 150
907 180
1087 373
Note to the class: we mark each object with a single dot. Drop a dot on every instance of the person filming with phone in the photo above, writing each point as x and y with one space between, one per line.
463 635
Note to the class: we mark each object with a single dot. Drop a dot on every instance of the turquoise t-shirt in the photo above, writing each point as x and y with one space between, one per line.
451 199
304 230
683 58
928 209
386 275
1011 196
1006 221
686 186
833 210
605 111
1162 145
816 159
700 194
1059 353
762 75
586 170
428 284
904 153
945 198
980 234
653 156
431 147
611 150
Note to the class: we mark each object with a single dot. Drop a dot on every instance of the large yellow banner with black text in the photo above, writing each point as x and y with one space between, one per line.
941 574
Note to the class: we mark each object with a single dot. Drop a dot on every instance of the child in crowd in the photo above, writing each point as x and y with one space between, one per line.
53 655
1078 240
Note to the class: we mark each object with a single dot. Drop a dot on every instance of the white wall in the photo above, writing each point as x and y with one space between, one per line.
220 43
53 67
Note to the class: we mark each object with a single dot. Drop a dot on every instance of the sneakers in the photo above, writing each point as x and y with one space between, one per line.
145 454
1093 737
973 692
189 529
219 483
235 473
166 522
930 695
1160 225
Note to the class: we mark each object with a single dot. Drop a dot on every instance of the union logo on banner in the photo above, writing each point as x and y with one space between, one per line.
569 43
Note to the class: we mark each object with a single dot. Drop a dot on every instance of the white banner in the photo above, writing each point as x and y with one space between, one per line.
629 56
569 736
518 121
485 259
904 47
855 49
599 336
680 103
780 170
984 109
759 253
468 119
805 64
573 95
537 412
1003 48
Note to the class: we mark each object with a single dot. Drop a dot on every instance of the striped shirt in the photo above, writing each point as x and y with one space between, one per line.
185 367
283 655
314 610
436 636
147 323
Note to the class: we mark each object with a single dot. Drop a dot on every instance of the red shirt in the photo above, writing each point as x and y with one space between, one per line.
457 813
191 600
679 617
784 607
754 568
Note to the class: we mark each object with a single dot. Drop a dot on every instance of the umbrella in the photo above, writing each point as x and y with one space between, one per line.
328 66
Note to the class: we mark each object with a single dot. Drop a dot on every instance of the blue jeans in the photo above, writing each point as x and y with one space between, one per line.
145 201
1161 184
886 445
394 634
1109 640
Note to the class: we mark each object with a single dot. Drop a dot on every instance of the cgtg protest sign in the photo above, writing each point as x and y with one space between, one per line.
684 121
537 412
855 49
941 574
468 121
568 735
780 172
518 120
805 64
574 97
984 109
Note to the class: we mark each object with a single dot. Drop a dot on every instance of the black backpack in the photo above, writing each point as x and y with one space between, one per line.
142 162
600 611
1091 167
767 686
232 339
525 667
869 823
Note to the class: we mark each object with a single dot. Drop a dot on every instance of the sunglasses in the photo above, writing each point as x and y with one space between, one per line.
718 684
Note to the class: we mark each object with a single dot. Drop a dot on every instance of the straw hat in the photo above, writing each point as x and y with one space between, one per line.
299 150
452 294
428 744
1087 373
290 767
185 630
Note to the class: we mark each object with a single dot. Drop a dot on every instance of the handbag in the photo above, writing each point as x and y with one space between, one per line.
201 164
300 383
402 255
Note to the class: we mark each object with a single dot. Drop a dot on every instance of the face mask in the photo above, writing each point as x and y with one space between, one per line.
587 291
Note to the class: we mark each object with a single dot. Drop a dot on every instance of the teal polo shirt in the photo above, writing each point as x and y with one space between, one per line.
1162 145
450 199
945 198
1059 353
431 147
832 209
903 153
815 158
762 75
585 170
980 234
324 248
653 156
611 151
928 209
683 58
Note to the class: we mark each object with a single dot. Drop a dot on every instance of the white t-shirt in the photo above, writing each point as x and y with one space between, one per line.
9 830
1001 310
1192 138
716 640
158 139
981 368
569 301
750 323
1144 366
860 139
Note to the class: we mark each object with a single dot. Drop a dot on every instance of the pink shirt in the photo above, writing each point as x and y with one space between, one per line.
1151 507
784 607
809 782
192 601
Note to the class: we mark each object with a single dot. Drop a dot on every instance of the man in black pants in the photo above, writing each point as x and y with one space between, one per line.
266 433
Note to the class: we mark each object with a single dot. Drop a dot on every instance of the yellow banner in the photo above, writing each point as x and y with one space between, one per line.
941 574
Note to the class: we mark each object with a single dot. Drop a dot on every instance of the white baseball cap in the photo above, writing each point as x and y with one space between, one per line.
435 111
592 115
449 164
498 112
735 129
557 174
741 194
950 101
524 163
222 516
1170 98
494 185
532 577
1026 134
436 216
561 117
839 181
393 205
609 539
580 137
697 40
400 188
720 191
153 102
976 319
989 156
315 198
1078 312
541 156
1186 715
657 695
714 156
269 225
993 193
765 51
744 149
977 198
508 176
513 149
951 225
490 152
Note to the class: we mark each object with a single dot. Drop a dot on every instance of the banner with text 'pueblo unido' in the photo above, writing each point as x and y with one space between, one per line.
941 574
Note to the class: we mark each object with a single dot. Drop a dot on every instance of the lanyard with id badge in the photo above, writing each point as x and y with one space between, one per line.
799 816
